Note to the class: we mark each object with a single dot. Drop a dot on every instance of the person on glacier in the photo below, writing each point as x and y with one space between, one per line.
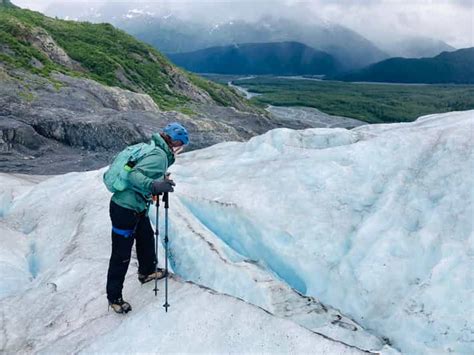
129 214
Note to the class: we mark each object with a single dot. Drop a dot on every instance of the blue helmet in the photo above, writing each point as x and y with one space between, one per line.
177 132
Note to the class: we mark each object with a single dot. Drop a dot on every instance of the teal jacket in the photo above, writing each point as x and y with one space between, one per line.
151 167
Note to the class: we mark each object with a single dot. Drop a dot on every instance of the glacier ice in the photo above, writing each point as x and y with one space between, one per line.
59 305
374 222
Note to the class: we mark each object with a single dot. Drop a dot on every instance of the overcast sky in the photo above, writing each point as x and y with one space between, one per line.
378 20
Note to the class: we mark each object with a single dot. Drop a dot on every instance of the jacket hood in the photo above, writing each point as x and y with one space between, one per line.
160 143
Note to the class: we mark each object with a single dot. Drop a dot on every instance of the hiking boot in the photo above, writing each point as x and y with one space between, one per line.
159 274
120 306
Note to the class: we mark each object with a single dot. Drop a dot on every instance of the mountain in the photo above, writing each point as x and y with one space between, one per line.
283 58
349 48
102 53
72 94
417 47
171 33
374 222
446 68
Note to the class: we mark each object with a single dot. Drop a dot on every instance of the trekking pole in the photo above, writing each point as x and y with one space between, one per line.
166 201
157 233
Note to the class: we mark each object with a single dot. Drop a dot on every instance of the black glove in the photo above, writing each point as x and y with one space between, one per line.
162 186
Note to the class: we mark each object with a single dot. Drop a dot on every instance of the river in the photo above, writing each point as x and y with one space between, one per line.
301 117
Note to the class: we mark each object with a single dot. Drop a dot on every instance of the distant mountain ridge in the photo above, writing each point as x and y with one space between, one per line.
448 67
172 34
281 58
417 47
348 47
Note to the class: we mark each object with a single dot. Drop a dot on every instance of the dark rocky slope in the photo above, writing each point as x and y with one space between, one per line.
80 124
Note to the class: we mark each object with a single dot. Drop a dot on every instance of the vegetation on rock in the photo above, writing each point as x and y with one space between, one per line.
40 44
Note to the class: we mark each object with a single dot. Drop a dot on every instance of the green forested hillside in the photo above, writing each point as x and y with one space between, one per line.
100 52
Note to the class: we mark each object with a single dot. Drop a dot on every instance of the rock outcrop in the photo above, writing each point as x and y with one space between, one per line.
62 124
41 40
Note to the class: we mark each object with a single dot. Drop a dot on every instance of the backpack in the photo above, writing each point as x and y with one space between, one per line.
116 176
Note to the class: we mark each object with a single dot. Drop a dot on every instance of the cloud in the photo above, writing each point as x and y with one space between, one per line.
378 20
387 20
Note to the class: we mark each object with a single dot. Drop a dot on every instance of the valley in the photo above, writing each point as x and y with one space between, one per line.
368 102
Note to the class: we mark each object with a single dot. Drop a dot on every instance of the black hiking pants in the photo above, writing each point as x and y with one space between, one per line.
126 219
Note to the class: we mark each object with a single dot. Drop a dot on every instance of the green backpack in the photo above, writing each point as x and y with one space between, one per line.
116 176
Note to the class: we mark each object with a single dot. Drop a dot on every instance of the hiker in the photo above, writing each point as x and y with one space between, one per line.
129 213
